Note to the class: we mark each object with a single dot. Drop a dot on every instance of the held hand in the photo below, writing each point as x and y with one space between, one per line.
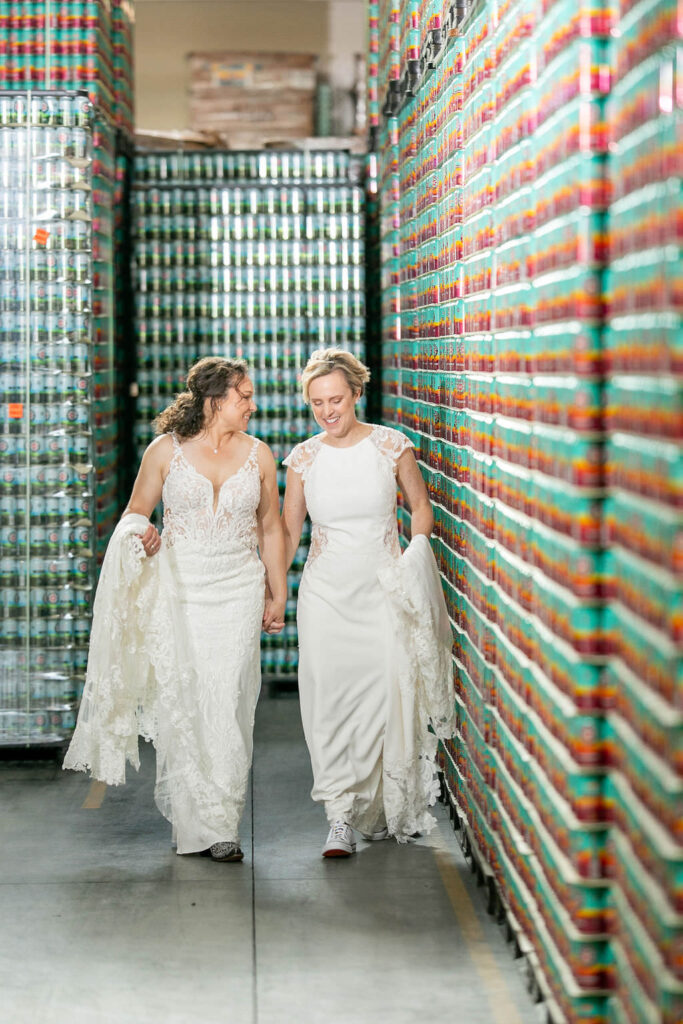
273 616
151 541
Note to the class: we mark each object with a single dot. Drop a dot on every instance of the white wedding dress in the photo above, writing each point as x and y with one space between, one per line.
174 653
366 703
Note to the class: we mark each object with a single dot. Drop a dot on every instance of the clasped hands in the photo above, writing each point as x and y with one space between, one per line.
273 614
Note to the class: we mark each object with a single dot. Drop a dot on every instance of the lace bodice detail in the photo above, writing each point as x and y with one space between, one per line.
302 456
391 443
351 495
188 498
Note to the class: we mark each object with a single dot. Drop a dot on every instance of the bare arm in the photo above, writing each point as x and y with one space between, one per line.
271 543
415 492
147 489
293 514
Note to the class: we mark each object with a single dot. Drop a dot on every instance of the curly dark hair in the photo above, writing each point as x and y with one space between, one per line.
211 377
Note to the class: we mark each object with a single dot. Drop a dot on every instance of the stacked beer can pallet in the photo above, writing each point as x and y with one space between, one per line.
59 431
389 12
390 258
547 146
643 520
552 467
258 255
83 45
373 290
123 22
57 423
372 87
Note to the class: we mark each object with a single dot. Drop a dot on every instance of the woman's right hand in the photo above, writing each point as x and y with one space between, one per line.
273 615
151 541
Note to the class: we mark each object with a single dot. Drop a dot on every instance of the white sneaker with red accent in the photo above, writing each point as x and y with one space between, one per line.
340 841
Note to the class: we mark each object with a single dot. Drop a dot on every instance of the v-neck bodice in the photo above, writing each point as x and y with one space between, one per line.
195 511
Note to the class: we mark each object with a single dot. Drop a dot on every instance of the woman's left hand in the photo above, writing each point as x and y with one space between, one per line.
273 616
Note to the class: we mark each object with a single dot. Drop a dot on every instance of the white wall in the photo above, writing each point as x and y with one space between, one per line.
345 37
167 30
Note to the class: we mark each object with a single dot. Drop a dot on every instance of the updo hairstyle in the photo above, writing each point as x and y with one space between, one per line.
211 377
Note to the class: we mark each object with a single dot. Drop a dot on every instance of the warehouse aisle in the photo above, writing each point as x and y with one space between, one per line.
108 926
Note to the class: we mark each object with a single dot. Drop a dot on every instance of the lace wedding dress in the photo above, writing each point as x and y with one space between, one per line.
368 686
174 653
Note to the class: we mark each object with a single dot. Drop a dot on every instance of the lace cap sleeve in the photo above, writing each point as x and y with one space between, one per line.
302 456
391 443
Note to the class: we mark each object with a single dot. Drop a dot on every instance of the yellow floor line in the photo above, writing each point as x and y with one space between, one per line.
495 986
93 800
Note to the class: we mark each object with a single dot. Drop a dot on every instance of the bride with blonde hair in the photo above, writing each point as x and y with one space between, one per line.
375 664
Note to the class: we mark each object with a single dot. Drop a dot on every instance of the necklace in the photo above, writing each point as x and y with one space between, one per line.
210 443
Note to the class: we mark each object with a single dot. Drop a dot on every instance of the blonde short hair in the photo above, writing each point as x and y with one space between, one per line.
327 360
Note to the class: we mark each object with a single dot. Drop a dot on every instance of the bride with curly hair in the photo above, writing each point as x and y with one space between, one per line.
175 644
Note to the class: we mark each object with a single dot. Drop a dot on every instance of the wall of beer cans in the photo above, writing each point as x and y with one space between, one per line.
81 45
258 255
643 420
57 427
65 106
530 190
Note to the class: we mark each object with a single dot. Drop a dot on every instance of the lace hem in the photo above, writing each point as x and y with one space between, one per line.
106 732
426 697
431 664
408 788
142 679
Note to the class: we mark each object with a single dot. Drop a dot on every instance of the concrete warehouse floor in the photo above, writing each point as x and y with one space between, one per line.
104 924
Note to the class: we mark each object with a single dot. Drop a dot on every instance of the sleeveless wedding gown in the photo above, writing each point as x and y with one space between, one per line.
187 633
357 680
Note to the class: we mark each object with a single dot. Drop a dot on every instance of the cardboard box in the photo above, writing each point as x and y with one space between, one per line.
251 99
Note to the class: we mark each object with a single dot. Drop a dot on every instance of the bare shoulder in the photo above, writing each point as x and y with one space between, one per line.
159 451
264 455
405 451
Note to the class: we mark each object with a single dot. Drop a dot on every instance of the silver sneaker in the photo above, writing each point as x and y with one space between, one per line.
226 852
340 841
